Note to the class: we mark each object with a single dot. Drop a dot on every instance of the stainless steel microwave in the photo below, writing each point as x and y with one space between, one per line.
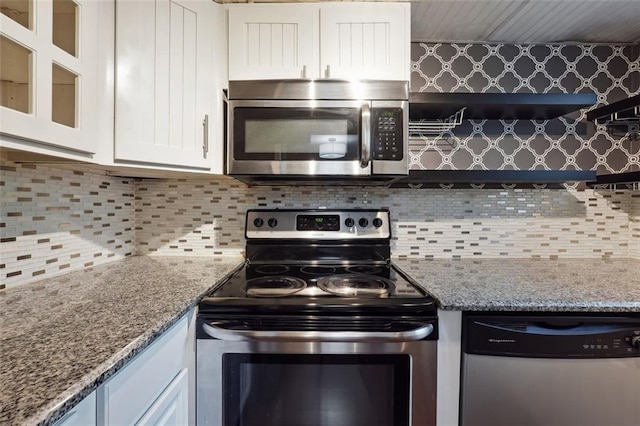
317 131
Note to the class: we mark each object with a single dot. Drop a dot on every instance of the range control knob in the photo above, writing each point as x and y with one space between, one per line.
635 342
258 222
272 222
349 222
377 222
363 222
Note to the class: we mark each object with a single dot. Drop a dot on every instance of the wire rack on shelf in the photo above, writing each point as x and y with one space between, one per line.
434 127
619 118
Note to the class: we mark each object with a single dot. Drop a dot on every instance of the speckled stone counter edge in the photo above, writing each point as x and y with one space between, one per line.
56 410
452 298
110 367
517 306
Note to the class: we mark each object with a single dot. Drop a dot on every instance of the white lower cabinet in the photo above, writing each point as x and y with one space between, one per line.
156 388
152 385
171 407
83 414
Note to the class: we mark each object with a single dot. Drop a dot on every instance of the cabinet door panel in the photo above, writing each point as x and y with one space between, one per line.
135 73
273 41
187 133
365 41
163 72
171 408
163 89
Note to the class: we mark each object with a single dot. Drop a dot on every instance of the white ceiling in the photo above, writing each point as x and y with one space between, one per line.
526 21
520 21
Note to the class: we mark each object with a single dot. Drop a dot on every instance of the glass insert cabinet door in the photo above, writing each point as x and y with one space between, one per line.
316 390
49 71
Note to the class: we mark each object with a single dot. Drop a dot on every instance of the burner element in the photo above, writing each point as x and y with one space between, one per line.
361 285
274 286
318 270
364 269
272 269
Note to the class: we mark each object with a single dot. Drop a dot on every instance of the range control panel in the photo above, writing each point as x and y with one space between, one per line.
318 224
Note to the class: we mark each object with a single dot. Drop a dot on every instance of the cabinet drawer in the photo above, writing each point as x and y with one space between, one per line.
129 394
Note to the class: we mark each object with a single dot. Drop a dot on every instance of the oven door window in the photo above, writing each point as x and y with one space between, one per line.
316 390
294 134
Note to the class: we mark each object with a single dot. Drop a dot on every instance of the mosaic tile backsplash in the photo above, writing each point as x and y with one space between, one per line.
55 220
206 217
634 226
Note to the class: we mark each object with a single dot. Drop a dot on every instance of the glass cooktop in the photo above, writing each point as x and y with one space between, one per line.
312 280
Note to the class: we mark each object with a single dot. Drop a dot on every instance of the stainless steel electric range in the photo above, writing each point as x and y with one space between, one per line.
318 328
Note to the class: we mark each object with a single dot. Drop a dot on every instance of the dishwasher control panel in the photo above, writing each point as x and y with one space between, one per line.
612 343
552 336
634 340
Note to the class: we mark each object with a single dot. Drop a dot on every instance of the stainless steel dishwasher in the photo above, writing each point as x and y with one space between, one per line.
546 370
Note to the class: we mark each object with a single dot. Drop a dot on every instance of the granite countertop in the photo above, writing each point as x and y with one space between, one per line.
569 285
62 337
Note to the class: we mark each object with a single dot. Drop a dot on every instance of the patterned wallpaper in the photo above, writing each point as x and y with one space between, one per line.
565 143
54 221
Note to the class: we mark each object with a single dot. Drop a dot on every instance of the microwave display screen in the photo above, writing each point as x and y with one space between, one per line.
281 134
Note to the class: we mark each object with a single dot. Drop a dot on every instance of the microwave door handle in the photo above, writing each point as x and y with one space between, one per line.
365 141
222 333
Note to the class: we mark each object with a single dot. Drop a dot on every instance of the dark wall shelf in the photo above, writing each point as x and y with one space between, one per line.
496 106
417 177
608 179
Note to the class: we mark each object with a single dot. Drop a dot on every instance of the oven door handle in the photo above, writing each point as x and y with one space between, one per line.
217 332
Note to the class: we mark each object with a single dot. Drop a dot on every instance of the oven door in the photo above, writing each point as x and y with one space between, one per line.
249 377
299 138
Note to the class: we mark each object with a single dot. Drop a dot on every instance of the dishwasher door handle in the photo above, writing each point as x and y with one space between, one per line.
221 333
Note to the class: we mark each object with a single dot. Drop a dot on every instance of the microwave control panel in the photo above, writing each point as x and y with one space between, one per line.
387 133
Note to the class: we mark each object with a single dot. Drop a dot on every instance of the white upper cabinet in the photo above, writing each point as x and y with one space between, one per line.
319 40
164 82
271 41
366 40
49 72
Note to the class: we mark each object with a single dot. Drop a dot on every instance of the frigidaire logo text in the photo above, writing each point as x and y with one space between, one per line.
501 341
